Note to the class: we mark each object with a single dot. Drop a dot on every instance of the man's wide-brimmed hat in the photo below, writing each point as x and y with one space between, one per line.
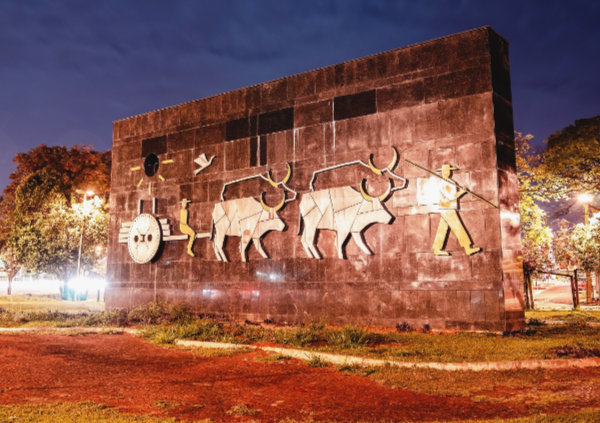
185 201
446 167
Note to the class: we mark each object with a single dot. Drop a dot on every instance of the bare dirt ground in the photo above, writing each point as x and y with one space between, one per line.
137 377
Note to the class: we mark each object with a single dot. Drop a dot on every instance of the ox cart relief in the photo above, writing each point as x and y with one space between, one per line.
345 210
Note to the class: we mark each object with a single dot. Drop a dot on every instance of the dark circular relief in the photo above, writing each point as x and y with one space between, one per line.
135 239
149 237
151 164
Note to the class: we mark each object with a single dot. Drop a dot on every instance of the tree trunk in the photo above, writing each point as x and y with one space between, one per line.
588 287
9 289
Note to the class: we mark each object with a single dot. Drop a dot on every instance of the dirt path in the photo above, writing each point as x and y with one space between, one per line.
132 374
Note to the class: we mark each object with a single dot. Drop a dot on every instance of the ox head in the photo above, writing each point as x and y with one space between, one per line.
269 220
283 181
389 169
374 208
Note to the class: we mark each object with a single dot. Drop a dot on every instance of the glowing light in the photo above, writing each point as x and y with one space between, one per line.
513 218
585 198
428 192
82 284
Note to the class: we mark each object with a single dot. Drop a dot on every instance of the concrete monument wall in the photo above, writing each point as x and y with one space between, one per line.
414 109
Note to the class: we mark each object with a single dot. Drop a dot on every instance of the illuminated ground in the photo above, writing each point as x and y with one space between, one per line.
137 377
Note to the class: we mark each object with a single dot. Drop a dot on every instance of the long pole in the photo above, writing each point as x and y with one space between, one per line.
81 239
589 293
479 197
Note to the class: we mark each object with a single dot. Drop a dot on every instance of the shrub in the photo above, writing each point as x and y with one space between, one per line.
149 313
348 337
316 361
301 336
181 313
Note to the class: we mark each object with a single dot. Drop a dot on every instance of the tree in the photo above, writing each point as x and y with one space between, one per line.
585 244
562 246
41 213
536 235
572 159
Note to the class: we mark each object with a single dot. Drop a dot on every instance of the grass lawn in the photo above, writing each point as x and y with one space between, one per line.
32 303
569 316
89 412
164 324
85 412
537 341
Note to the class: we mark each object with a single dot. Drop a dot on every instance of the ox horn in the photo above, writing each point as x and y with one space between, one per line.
386 194
363 191
269 209
381 198
390 166
283 181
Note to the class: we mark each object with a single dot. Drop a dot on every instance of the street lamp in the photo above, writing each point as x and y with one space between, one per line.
586 199
85 195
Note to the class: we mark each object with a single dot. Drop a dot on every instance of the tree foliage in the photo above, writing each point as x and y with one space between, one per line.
536 235
571 161
585 244
41 213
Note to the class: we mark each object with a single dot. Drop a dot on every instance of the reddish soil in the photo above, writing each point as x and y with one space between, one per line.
136 376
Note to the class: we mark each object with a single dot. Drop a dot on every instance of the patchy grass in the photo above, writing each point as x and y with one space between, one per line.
26 303
316 361
586 416
85 412
88 412
591 416
241 410
217 352
535 388
270 358
571 316
535 342
163 324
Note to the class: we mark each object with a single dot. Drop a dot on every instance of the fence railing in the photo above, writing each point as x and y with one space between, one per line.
529 304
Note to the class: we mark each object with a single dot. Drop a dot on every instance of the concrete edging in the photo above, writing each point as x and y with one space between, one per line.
340 359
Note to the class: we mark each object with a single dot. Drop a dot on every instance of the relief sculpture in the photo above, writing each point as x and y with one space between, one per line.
247 218
449 220
344 209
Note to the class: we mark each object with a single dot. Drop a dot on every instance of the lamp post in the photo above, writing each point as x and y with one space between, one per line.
85 194
586 199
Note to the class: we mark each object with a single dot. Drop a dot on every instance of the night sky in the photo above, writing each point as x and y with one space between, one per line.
71 68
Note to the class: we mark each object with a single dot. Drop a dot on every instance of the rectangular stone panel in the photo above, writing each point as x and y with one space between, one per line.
156 145
353 105
276 121
238 128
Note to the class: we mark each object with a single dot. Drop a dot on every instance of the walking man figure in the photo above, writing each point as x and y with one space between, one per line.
448 204
184 227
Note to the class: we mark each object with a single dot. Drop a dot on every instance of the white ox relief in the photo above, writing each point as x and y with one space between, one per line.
246 218
343 210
